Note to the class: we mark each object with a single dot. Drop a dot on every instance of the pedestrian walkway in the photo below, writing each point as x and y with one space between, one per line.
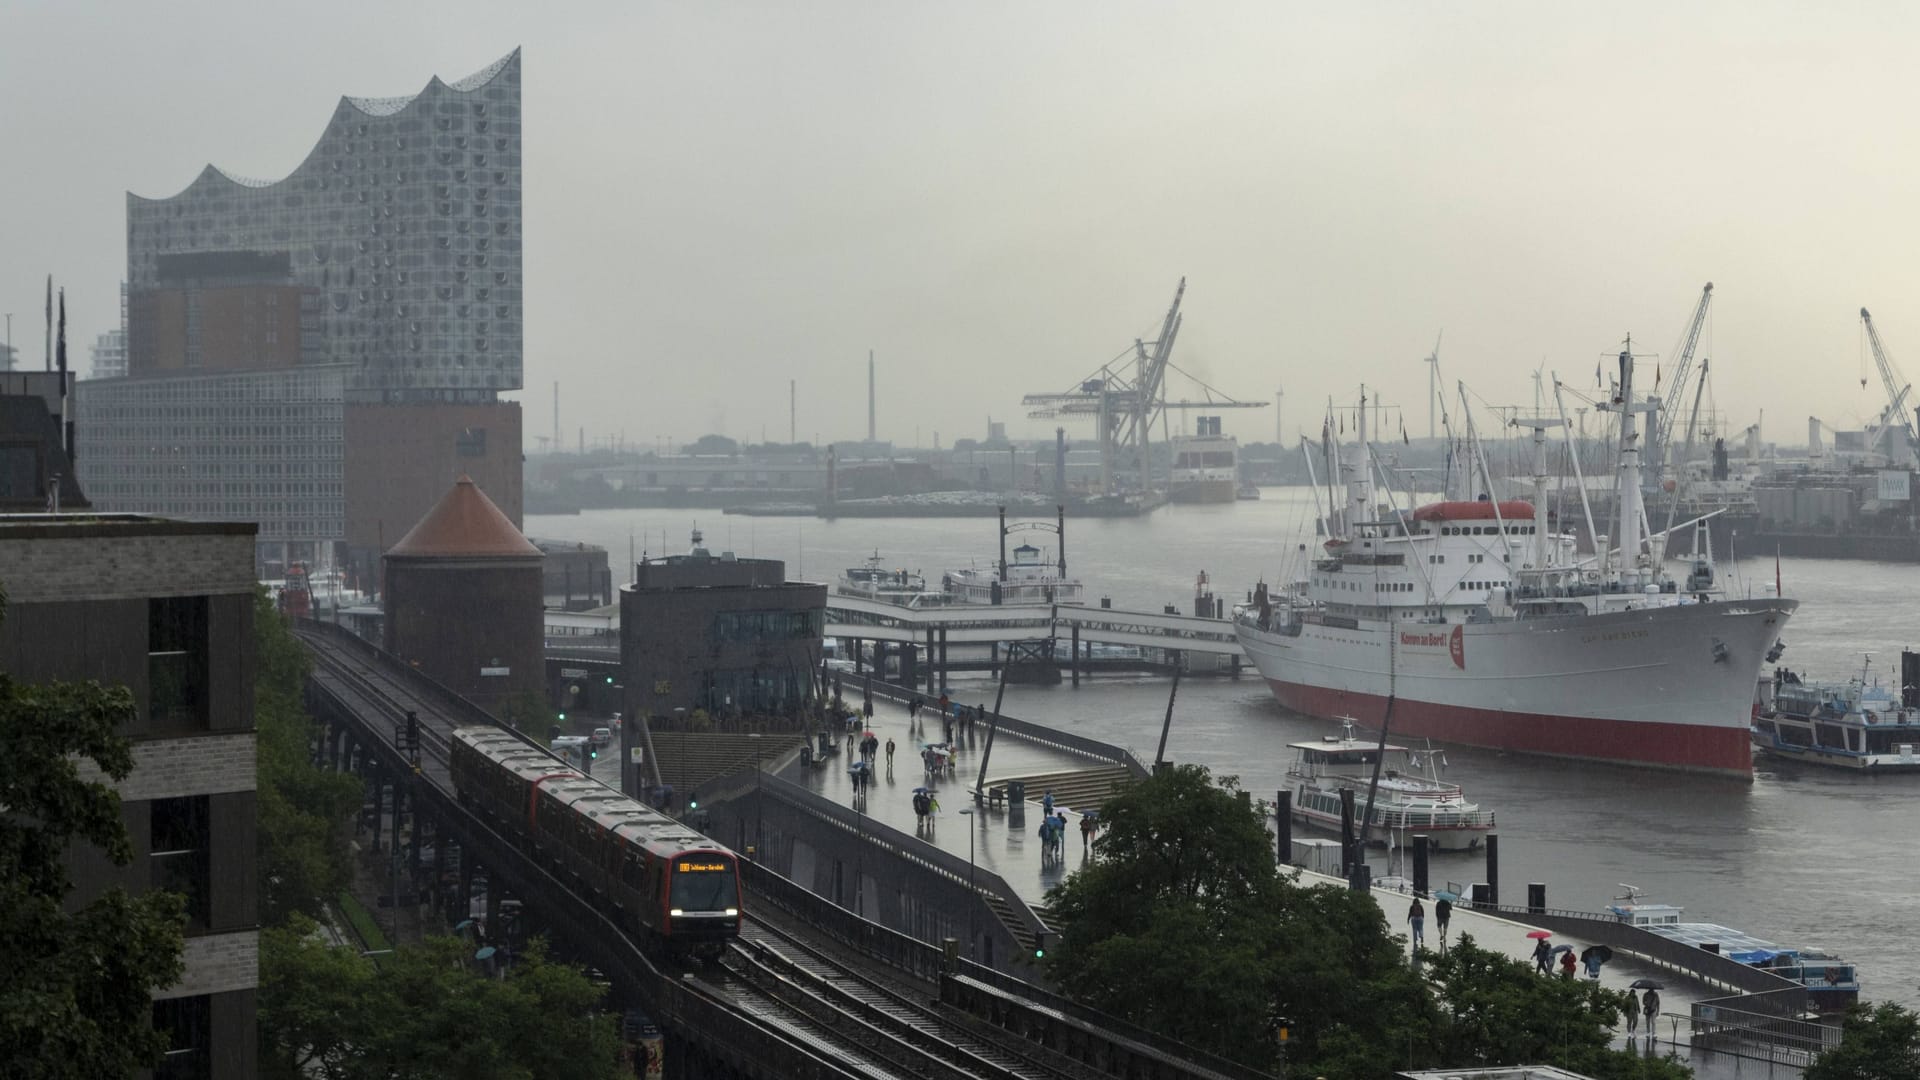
1004 842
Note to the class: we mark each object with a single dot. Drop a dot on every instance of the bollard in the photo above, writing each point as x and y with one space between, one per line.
1420 842
1482 895
1536 897
1283 826
1016 803
1347 855
1361 877
1493 870
950 955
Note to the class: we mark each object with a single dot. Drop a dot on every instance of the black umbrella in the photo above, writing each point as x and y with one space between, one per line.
1605 954
1645 984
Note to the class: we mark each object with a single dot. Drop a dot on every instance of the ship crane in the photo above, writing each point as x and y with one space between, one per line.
1897 417
1663 424
1125 405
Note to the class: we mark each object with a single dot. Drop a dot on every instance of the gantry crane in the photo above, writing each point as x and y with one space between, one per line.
1125 405
1663 424
1898 417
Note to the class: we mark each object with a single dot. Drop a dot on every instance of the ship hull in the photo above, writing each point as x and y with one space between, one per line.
1201 491
1664 687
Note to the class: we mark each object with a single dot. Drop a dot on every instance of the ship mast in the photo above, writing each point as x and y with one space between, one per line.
1359 474
1632 508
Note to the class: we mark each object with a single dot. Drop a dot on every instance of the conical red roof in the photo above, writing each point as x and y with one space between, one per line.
464 523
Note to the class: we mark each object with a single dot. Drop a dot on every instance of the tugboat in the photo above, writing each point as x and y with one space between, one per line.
1414 801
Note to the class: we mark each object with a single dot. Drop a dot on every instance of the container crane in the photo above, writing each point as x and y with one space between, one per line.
1663 424
1126 404
1897 417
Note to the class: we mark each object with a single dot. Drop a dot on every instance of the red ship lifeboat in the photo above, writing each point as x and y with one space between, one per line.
1510 510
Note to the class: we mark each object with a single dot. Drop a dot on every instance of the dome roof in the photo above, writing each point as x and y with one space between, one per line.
464 524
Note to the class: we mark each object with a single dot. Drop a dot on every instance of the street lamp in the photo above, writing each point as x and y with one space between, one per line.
759 795
859 850
974 897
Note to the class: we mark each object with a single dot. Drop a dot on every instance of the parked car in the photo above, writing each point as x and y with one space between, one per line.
602 737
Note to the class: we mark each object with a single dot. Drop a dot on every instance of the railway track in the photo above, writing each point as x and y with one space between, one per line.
971 1049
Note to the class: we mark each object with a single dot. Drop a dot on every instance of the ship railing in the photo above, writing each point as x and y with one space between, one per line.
1424 819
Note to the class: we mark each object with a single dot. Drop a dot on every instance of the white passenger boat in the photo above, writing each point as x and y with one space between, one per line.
1411 799
902 588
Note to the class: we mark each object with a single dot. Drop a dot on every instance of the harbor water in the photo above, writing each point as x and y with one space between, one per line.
1802 856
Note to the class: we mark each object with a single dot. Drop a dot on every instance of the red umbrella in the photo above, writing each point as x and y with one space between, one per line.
1538 934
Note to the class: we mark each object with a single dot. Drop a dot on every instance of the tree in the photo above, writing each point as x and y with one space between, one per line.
713 445
424 1013
78 998
1498 1011
305 812
1878 1043
1184 925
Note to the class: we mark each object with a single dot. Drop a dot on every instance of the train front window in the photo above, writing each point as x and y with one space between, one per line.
703 884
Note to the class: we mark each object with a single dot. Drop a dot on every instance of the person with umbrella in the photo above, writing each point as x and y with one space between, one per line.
1542 952
1650 1007
1649 1003
1593 956
1567 963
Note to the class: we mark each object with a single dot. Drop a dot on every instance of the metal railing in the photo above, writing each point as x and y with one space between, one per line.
1039 734
909 848
1763 987
1756 1026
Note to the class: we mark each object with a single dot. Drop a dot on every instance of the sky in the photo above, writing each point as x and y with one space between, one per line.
997 198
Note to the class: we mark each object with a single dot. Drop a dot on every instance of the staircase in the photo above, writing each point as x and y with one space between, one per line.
1079 790
688 760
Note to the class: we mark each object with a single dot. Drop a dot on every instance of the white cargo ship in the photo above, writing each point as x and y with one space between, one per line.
1474 622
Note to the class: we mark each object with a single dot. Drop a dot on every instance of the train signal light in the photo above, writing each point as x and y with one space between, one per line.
609 680
563 717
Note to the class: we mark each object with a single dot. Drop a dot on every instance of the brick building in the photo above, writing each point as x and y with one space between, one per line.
164 608
463 601
719 633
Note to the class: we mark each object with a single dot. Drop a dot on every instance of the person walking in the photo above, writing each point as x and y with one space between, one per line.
1086 833
1592 960
1650 1009
889 755
1442 914
1046 804
1417 919
1543 957
866 709
1632 1009
1567 964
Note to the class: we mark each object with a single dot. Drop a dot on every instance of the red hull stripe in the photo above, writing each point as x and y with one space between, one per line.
1690 747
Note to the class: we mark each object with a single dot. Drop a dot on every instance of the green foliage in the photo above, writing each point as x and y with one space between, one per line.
305 811
77 999
1184 925
529 711
1500 1011
1878 1043
328 1012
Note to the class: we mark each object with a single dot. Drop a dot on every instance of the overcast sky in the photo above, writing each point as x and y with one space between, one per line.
998 198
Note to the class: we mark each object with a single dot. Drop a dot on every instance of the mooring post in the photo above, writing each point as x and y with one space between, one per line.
1420 842
1493 869
1283 826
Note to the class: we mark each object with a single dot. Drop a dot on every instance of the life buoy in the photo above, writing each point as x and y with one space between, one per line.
1871 716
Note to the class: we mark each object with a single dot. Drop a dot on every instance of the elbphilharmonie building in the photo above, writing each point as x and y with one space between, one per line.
323 353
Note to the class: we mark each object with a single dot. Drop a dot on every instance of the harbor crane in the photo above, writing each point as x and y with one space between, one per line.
1126 404
1663 425
1899 416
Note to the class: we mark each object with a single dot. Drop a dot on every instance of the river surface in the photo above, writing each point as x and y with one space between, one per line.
1804 857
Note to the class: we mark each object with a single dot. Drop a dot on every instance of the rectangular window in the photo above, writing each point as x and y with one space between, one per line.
178 853
177 661
188 1024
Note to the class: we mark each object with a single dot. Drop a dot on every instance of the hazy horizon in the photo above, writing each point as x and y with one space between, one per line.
996 198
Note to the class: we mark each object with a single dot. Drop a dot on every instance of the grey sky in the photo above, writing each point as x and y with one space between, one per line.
996 198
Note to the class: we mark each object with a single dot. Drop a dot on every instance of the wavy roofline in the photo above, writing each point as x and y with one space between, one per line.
367 106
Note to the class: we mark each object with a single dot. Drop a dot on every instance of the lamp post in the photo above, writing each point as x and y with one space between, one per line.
974 898
859 850
759 795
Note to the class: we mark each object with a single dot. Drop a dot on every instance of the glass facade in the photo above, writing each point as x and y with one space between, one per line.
406 219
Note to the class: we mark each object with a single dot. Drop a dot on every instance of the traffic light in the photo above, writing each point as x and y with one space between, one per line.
593 753
609 680
563 718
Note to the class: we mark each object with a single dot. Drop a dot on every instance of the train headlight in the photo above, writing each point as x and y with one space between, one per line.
733 911
675 912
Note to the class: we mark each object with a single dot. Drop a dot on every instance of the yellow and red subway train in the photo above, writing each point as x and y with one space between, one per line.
679 890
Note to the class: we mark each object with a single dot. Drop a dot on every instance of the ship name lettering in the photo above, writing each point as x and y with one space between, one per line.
1613 635
1435 640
